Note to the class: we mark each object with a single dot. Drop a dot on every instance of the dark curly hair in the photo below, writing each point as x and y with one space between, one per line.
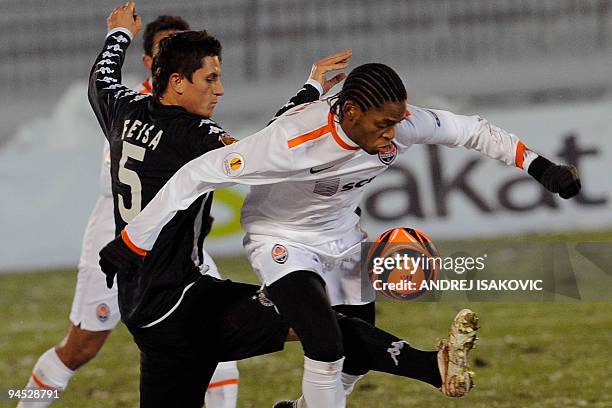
161 23
182 53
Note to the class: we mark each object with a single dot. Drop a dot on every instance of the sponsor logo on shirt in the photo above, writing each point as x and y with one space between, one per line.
315 170
388 154
327 188
432 113
233 164
102 312
279 254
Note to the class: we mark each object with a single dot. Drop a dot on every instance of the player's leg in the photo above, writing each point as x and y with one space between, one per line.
178 355
222 392
348 293
93 315
368 347
170 380
291 274
301 298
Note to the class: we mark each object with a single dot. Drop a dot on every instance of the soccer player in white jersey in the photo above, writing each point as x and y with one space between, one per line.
307 173
95 312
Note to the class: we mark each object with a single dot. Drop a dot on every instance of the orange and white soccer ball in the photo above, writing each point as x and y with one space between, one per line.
417 252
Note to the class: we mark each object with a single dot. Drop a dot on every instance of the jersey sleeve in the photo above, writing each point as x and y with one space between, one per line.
106 92
432 126
262 158
310 92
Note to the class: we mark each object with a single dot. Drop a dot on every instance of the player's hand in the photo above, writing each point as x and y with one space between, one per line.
117 257
125 16
330 63
562 179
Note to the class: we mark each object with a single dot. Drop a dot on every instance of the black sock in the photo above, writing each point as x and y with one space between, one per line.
369 348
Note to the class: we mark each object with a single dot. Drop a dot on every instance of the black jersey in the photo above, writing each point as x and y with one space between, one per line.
149 142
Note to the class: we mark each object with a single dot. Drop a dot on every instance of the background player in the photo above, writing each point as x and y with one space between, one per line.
307 171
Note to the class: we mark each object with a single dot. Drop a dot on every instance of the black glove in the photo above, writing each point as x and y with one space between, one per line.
556 178
116 257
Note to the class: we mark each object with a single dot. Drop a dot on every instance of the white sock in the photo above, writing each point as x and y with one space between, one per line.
49 373
349 381
223 387
300 402
321 384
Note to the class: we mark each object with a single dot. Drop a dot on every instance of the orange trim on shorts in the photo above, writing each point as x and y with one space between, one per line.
520 154
42 384
337 138
315 134
223 383
131 245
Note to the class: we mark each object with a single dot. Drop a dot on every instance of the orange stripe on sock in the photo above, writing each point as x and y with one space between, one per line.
42 384
223 383
131 245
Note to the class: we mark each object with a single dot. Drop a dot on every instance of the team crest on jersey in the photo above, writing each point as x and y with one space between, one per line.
388 154
280 254
102 312
227 139
233 164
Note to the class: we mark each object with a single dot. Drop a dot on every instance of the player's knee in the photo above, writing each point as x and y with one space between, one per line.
366 312
330 349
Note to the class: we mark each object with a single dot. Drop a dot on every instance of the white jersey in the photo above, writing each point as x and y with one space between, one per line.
307 176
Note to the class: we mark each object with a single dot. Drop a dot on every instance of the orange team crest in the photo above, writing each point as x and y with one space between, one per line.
227 139
102 312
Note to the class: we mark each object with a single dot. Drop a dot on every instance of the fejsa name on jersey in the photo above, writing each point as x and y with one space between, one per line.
144 133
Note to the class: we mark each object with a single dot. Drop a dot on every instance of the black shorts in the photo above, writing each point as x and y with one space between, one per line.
217 320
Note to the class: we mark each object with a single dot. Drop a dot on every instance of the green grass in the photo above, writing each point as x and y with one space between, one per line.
530 354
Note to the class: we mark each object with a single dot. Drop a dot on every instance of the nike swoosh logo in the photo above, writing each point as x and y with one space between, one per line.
318 170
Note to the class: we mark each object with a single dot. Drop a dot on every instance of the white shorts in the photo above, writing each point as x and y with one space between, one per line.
94 306
337 262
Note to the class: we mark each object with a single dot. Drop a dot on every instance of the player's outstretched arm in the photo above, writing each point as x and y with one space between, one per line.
318 84
105 88
431 126
262 158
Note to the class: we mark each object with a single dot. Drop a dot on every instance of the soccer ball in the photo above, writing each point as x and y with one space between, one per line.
400 260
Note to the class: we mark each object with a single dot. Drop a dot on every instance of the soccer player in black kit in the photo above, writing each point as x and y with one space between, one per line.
185 322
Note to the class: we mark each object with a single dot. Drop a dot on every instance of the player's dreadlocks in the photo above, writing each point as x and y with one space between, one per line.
182 53
369 85
161 23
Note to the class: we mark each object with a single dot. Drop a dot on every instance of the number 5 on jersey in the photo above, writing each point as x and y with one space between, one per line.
131 179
